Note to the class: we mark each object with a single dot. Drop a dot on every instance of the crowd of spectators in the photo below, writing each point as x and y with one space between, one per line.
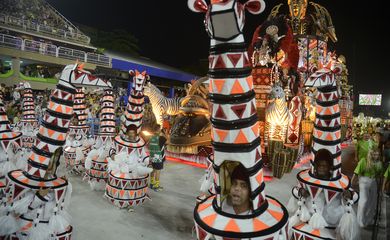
35 12
40 71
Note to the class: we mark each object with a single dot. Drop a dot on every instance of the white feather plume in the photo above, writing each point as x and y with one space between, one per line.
8 225
348 227
21 206
57 223
39 232
79 154
68 194
292 205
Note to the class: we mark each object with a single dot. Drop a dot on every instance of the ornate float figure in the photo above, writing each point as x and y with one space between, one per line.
277 115
190 133
128 177
189 137
235 131
320 207
161 105
34 206
96 161
28 123
275 55
77 146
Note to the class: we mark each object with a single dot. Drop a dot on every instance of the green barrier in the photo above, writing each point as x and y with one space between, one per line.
7 74
38 79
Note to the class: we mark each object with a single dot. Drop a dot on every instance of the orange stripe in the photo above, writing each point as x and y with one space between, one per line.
209 220
249 81
241 138
255 129
259 225
237 88
203 206
219 84
221 134
277 215
259 177
316 232
232 226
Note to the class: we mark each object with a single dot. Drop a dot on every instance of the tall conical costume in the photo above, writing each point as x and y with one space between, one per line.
28 123
322 214
36 198
128 177
96 162
235 131
9 141
77 146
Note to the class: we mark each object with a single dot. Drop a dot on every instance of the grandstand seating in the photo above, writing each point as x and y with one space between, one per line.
38 16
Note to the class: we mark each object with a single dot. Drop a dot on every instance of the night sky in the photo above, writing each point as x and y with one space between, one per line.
170 33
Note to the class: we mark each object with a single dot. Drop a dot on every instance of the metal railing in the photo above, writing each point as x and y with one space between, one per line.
52 50
72 54
44 29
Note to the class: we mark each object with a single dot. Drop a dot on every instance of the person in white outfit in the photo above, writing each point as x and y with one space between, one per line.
368 171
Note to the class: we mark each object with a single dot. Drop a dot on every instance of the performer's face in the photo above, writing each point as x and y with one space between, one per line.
131 134
239 193
366 137
323 169
375 155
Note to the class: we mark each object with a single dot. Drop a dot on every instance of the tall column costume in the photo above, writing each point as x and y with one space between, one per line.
235 129
77 146
96 162
28 123
36 198
324 213
128 177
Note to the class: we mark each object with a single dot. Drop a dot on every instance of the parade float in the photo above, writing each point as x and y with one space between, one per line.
285 50
36 198
128 172
235 130
275 54
189 136
96 161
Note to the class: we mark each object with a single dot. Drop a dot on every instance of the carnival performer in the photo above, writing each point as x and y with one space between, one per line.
128 177
96 161
34 207
78 144
362 147
8 141
235 132
369 169
157 158
237 202
326 211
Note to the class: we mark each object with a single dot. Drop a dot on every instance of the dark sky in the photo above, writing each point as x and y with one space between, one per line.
171 34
